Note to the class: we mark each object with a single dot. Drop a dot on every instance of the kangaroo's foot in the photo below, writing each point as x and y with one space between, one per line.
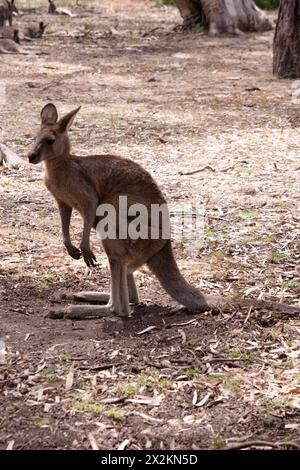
81 312
88 296
217 304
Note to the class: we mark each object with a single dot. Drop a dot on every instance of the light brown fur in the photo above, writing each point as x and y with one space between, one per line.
9 32
85 182
34 31
8 46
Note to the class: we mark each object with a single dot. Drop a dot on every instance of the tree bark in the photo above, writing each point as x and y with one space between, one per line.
286 58
223 16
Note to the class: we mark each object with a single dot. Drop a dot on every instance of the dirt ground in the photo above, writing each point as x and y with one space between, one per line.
175 103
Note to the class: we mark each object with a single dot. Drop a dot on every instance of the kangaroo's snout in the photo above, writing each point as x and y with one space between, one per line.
33 157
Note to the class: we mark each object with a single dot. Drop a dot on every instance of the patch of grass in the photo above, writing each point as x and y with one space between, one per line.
215 377
233 384
144 381
218 442
86 404
290 285
276 257
250 239
289 363
164 2
198 28
269 239
212 234
64 356
127 390
154 380
186 405
267 4
116 415
276 404
245 170
40 423
41 286
193 372
249 214
194 342
244 356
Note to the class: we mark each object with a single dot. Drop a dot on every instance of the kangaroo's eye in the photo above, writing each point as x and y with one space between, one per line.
50 141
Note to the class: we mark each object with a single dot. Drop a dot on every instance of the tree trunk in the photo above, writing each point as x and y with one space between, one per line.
223 16
286 58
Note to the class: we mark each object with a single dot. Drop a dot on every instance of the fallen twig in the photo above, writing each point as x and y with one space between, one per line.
258 443
207 167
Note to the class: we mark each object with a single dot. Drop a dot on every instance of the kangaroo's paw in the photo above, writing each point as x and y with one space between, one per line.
86 296
80 312
89 258
74 252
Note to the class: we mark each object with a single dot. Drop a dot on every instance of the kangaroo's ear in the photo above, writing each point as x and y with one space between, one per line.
49 114
66 122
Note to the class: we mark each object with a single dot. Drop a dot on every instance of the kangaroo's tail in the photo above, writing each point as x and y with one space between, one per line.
164 266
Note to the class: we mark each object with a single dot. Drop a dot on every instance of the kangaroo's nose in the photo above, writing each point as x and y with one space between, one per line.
32 157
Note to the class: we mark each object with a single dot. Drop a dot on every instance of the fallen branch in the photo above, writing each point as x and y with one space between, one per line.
258 443
10 158
223 304
268 305
207 167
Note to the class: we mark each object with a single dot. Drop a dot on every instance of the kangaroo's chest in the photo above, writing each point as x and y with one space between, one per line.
64 192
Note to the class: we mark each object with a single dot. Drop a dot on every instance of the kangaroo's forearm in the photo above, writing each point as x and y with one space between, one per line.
88 222
65 216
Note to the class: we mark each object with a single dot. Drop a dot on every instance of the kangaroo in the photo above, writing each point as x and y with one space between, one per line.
54 10
6 12
84 183
12 46
51 7
9 32
33 31
9 46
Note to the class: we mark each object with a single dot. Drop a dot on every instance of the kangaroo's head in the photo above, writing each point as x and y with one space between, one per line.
42 27
51 7
12 7
16 36
52 140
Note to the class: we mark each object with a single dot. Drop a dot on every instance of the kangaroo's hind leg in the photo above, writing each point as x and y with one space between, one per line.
118 301
132 289
105 297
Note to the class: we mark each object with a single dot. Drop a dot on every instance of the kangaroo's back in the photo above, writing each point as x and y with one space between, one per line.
112 175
